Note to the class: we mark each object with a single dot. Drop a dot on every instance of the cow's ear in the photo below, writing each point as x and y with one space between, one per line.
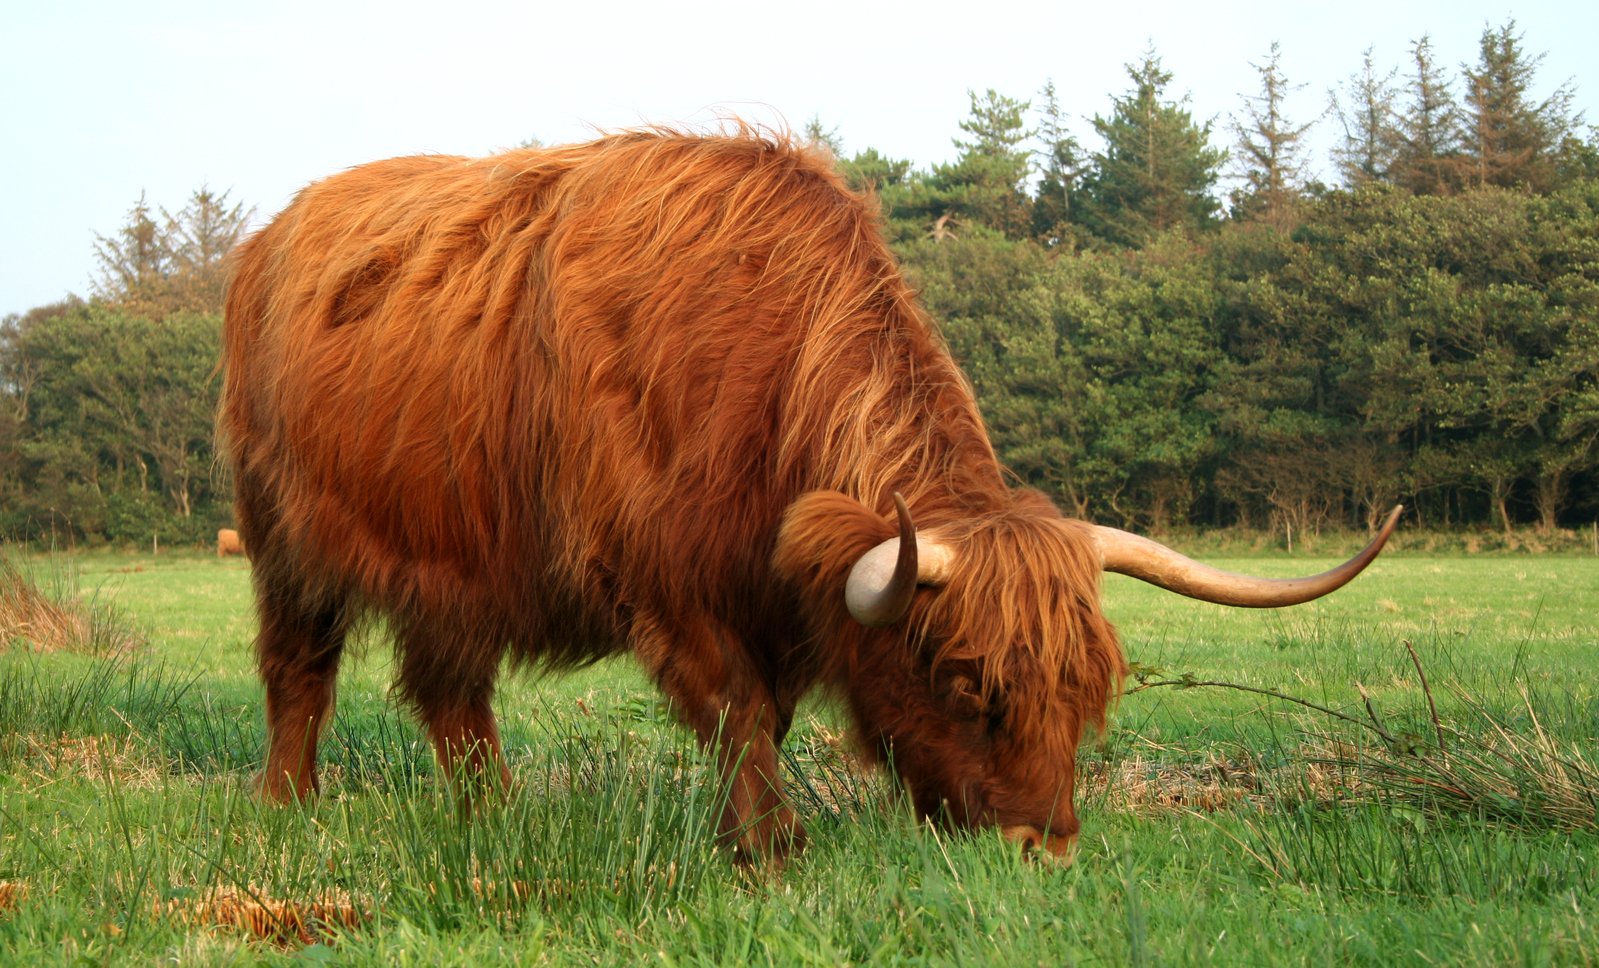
822 535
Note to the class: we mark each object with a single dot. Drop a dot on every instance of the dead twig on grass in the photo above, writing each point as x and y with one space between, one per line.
1187 681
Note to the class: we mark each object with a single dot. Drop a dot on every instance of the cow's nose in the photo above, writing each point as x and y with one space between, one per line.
1037 845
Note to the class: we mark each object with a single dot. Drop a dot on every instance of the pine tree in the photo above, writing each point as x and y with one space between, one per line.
199 239
986 184
1578 158
1428 140
1507 139
154 269
899 189
824 137
1270 150
1157 169
1371 141
872 171
135 262
1062 165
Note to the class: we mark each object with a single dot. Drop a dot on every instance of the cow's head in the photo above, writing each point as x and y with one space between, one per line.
975 653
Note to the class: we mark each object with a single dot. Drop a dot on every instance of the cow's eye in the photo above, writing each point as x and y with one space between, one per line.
964 693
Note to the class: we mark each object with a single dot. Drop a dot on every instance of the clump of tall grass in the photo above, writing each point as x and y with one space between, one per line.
1482 766
1480 801
828 782
1478 765
53 615
601 822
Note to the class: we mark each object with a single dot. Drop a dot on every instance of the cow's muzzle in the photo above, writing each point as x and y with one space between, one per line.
1059 849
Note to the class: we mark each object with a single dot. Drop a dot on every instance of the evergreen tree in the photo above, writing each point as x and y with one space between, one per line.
1507 139
150 268
1428 130
872 171
1157 169
1371 142
986 186
135 262
1578 158
1270 151
899 190
199 239
1062 165
817 134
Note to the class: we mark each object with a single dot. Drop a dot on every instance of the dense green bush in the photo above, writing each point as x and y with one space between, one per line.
1443 350
115 436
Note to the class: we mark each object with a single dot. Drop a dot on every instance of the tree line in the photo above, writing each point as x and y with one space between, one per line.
106 404
1147 348
1288 354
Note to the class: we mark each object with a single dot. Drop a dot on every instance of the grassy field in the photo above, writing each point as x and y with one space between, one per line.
1453 824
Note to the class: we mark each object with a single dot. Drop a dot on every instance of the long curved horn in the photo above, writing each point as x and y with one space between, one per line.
1129 554
883 582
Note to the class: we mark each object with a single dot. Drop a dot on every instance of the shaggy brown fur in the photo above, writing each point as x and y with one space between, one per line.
651 393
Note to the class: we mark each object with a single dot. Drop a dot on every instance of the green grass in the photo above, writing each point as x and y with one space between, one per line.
1219 826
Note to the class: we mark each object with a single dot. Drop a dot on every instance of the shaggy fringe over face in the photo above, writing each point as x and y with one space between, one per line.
1023 605
1021 610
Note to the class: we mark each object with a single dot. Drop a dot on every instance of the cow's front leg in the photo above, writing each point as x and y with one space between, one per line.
717 690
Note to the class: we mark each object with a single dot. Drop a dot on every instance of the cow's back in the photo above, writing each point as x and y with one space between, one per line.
546 381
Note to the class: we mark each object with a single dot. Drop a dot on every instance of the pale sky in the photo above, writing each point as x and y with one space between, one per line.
101 101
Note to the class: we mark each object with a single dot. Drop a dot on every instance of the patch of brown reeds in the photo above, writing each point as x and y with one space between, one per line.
46 761
263 918
1144 785
58 619
12 894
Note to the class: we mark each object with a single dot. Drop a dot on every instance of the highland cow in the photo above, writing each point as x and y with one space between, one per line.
669 395
228 543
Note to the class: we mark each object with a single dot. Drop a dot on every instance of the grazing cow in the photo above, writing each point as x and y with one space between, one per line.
665 394
228 543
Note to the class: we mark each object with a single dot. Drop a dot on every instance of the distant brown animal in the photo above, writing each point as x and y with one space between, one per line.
228 543
657 393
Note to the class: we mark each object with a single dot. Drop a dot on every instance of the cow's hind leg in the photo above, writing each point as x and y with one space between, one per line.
717 690
449 680
298 653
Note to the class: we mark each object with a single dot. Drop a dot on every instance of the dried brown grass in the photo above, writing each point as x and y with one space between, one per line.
12 894
1144 785
59 619
122 759
263 918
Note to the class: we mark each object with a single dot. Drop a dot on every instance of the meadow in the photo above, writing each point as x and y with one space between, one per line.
1319 804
